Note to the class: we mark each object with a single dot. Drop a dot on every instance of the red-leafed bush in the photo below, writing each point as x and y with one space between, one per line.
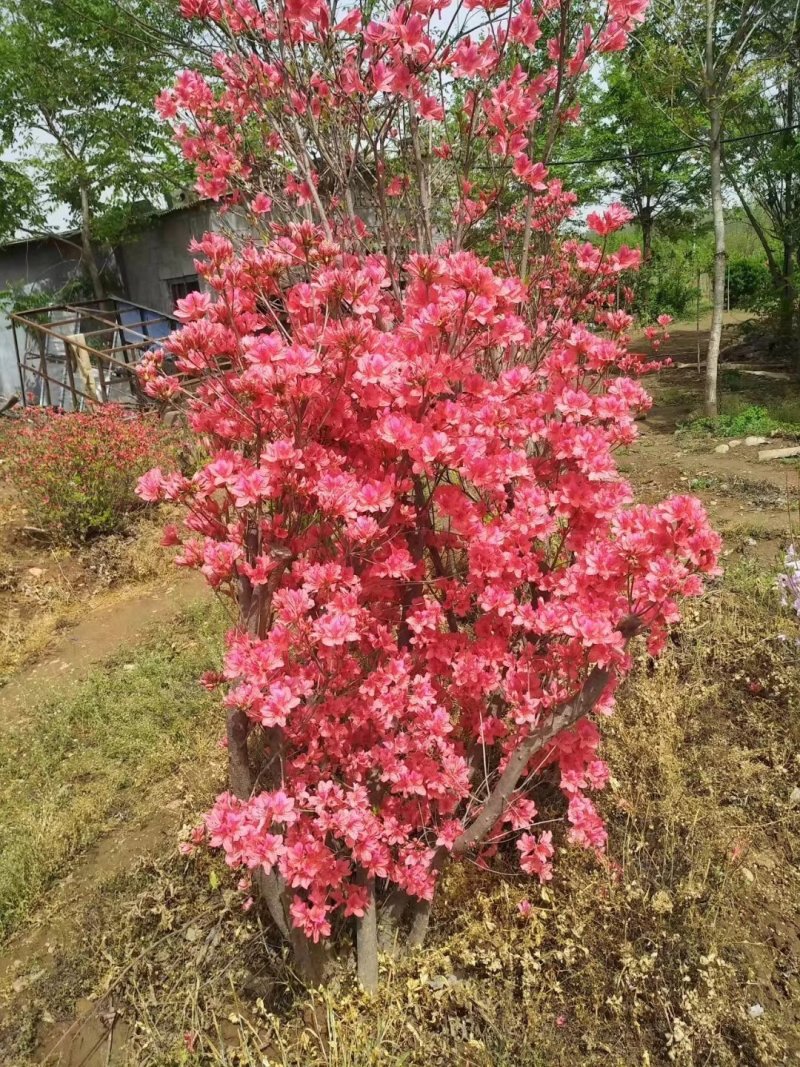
76 472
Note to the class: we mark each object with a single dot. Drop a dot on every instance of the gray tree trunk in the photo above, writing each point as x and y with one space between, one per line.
786 326
367 940
718 214
88 256
646 221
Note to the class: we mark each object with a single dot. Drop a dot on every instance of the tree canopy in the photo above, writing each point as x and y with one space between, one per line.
661 188
77 84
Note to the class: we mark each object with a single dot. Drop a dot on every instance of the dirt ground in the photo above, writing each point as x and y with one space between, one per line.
749 500
69 985
111 623
46 589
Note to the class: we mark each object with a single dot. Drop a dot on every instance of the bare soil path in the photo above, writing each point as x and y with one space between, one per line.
754 504
106 630
744 497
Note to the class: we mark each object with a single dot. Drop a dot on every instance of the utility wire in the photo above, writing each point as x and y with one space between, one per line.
676 151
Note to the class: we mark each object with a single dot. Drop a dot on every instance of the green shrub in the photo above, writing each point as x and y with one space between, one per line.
749 282
753 419
76 472
665 285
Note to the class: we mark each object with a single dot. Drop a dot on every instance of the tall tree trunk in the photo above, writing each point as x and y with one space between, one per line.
646 222
88 257
718 214
786 323
786 308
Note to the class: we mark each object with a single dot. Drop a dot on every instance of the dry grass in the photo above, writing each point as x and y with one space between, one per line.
138 557
663 955
35 611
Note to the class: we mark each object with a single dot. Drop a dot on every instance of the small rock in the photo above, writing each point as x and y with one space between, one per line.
83 1005
26 980
752 440
129 666
722 449
755 1011
444 981
778 453
794 797
734 442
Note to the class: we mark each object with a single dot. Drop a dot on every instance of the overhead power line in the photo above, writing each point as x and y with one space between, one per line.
675 151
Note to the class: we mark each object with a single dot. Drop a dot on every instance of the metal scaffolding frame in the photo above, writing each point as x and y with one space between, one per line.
84 353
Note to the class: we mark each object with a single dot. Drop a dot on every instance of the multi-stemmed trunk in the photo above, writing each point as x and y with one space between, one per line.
787 308
646 222
398 922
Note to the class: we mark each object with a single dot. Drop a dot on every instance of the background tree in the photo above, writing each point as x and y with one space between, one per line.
762 168
18 200
77 83
707 55
662 189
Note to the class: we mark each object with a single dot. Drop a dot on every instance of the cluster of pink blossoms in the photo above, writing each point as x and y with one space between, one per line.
439 551
412 495
411 60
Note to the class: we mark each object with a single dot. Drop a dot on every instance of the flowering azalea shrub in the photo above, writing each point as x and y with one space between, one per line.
412 495
76 473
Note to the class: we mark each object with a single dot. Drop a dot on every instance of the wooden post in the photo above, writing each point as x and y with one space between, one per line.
69 356
75 341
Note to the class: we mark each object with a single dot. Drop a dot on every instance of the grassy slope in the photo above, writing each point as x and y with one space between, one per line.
748 405
90 759
657 957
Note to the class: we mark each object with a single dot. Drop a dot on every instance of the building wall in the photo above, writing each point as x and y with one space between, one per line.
146 265
30 267
160 254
